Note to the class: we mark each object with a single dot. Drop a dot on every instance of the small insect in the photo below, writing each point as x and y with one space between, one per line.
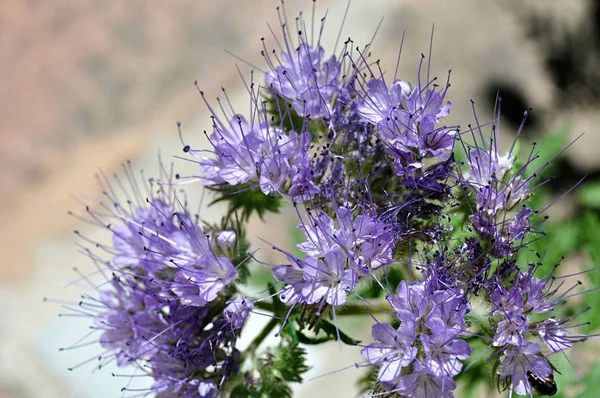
542 385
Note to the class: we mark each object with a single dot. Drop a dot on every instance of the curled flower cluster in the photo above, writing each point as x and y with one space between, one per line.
394 226
408 121
421 356
166 303
499 187
521 314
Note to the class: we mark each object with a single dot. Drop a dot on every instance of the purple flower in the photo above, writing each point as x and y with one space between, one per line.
320 235
379 101
423 383
327 278
200 282
498 187
482 167
353 232
520 225
128 319
292 275
511 330
538 293
516 362
323 279
364 239
377 251
443 349
555 335
237 311
237 150
486 176
436 317
407 122
393 351
410 304
148 238
274 173
258 154
227 240
287 162
506 300
176 378
306 79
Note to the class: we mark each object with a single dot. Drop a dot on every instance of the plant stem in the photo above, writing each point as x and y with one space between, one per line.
349 309
375 306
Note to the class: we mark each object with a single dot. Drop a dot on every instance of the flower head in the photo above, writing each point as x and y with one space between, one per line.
305 78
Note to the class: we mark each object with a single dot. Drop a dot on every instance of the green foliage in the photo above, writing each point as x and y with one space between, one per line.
589 194
290 362
247 200
592 382
286 364
590 239
334 332
366 382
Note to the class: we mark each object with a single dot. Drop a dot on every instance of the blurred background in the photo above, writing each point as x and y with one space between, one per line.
86 85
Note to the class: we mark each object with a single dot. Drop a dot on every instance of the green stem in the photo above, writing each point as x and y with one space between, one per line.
348 309
261 336
373 307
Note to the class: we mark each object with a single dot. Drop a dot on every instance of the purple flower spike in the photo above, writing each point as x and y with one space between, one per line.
128 321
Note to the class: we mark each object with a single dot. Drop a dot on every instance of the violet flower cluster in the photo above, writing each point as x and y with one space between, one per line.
397 226
166 303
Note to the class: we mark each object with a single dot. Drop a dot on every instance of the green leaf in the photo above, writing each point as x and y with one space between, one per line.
333 331
304 339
